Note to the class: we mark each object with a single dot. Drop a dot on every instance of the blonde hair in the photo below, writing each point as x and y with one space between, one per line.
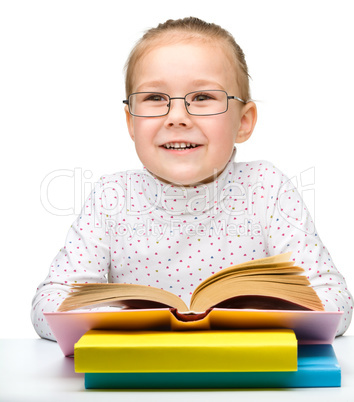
190 28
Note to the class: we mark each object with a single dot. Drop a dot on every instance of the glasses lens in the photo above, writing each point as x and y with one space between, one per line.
148 104
202 103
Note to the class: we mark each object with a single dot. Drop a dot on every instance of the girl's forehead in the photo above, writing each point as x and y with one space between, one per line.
183 59
171 40
179 48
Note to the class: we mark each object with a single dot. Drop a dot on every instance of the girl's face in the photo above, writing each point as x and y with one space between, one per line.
176 70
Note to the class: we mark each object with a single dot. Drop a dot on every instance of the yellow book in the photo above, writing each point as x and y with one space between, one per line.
108 351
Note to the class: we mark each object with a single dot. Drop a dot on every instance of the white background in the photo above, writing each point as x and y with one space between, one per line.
61 87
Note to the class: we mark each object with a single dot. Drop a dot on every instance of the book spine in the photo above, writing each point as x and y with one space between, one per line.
314 377
246 351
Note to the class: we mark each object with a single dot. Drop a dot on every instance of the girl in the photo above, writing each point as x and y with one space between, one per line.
192 210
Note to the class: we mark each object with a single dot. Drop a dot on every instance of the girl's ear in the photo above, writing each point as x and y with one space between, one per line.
129 120
248 121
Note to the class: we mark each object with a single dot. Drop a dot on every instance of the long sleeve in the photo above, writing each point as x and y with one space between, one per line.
85 257
292 229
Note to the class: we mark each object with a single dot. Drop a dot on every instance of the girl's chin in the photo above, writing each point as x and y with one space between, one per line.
186 180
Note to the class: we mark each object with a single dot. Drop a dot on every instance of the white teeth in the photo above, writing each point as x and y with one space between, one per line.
179 145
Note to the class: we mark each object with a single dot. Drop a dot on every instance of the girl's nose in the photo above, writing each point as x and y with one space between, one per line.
178 115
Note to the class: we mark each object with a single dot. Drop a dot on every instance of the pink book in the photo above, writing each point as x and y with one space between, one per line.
310 327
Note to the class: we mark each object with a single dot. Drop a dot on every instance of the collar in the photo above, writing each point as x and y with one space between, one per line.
175 200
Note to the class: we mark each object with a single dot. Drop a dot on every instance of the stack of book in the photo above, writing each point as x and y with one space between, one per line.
203 359
255 324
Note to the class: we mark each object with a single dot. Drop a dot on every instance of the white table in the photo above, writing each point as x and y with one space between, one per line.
36 370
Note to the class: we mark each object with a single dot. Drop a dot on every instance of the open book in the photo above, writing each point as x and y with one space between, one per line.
267 283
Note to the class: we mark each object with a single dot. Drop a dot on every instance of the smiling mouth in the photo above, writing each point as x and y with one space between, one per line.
180 146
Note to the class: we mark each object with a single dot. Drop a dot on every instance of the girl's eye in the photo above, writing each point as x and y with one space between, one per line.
202 97
156 98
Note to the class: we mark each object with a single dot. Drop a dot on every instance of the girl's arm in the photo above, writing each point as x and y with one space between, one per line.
84 258
292 229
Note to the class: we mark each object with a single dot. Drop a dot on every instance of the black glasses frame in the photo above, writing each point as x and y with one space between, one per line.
186 104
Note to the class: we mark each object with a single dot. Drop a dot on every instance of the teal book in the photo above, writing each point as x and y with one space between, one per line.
317 367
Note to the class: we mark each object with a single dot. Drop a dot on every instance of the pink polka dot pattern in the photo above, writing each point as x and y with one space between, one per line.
136 229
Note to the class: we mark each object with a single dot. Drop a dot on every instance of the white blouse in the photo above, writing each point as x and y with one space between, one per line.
135 228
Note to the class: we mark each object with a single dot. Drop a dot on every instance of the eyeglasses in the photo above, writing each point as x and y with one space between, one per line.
198 103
